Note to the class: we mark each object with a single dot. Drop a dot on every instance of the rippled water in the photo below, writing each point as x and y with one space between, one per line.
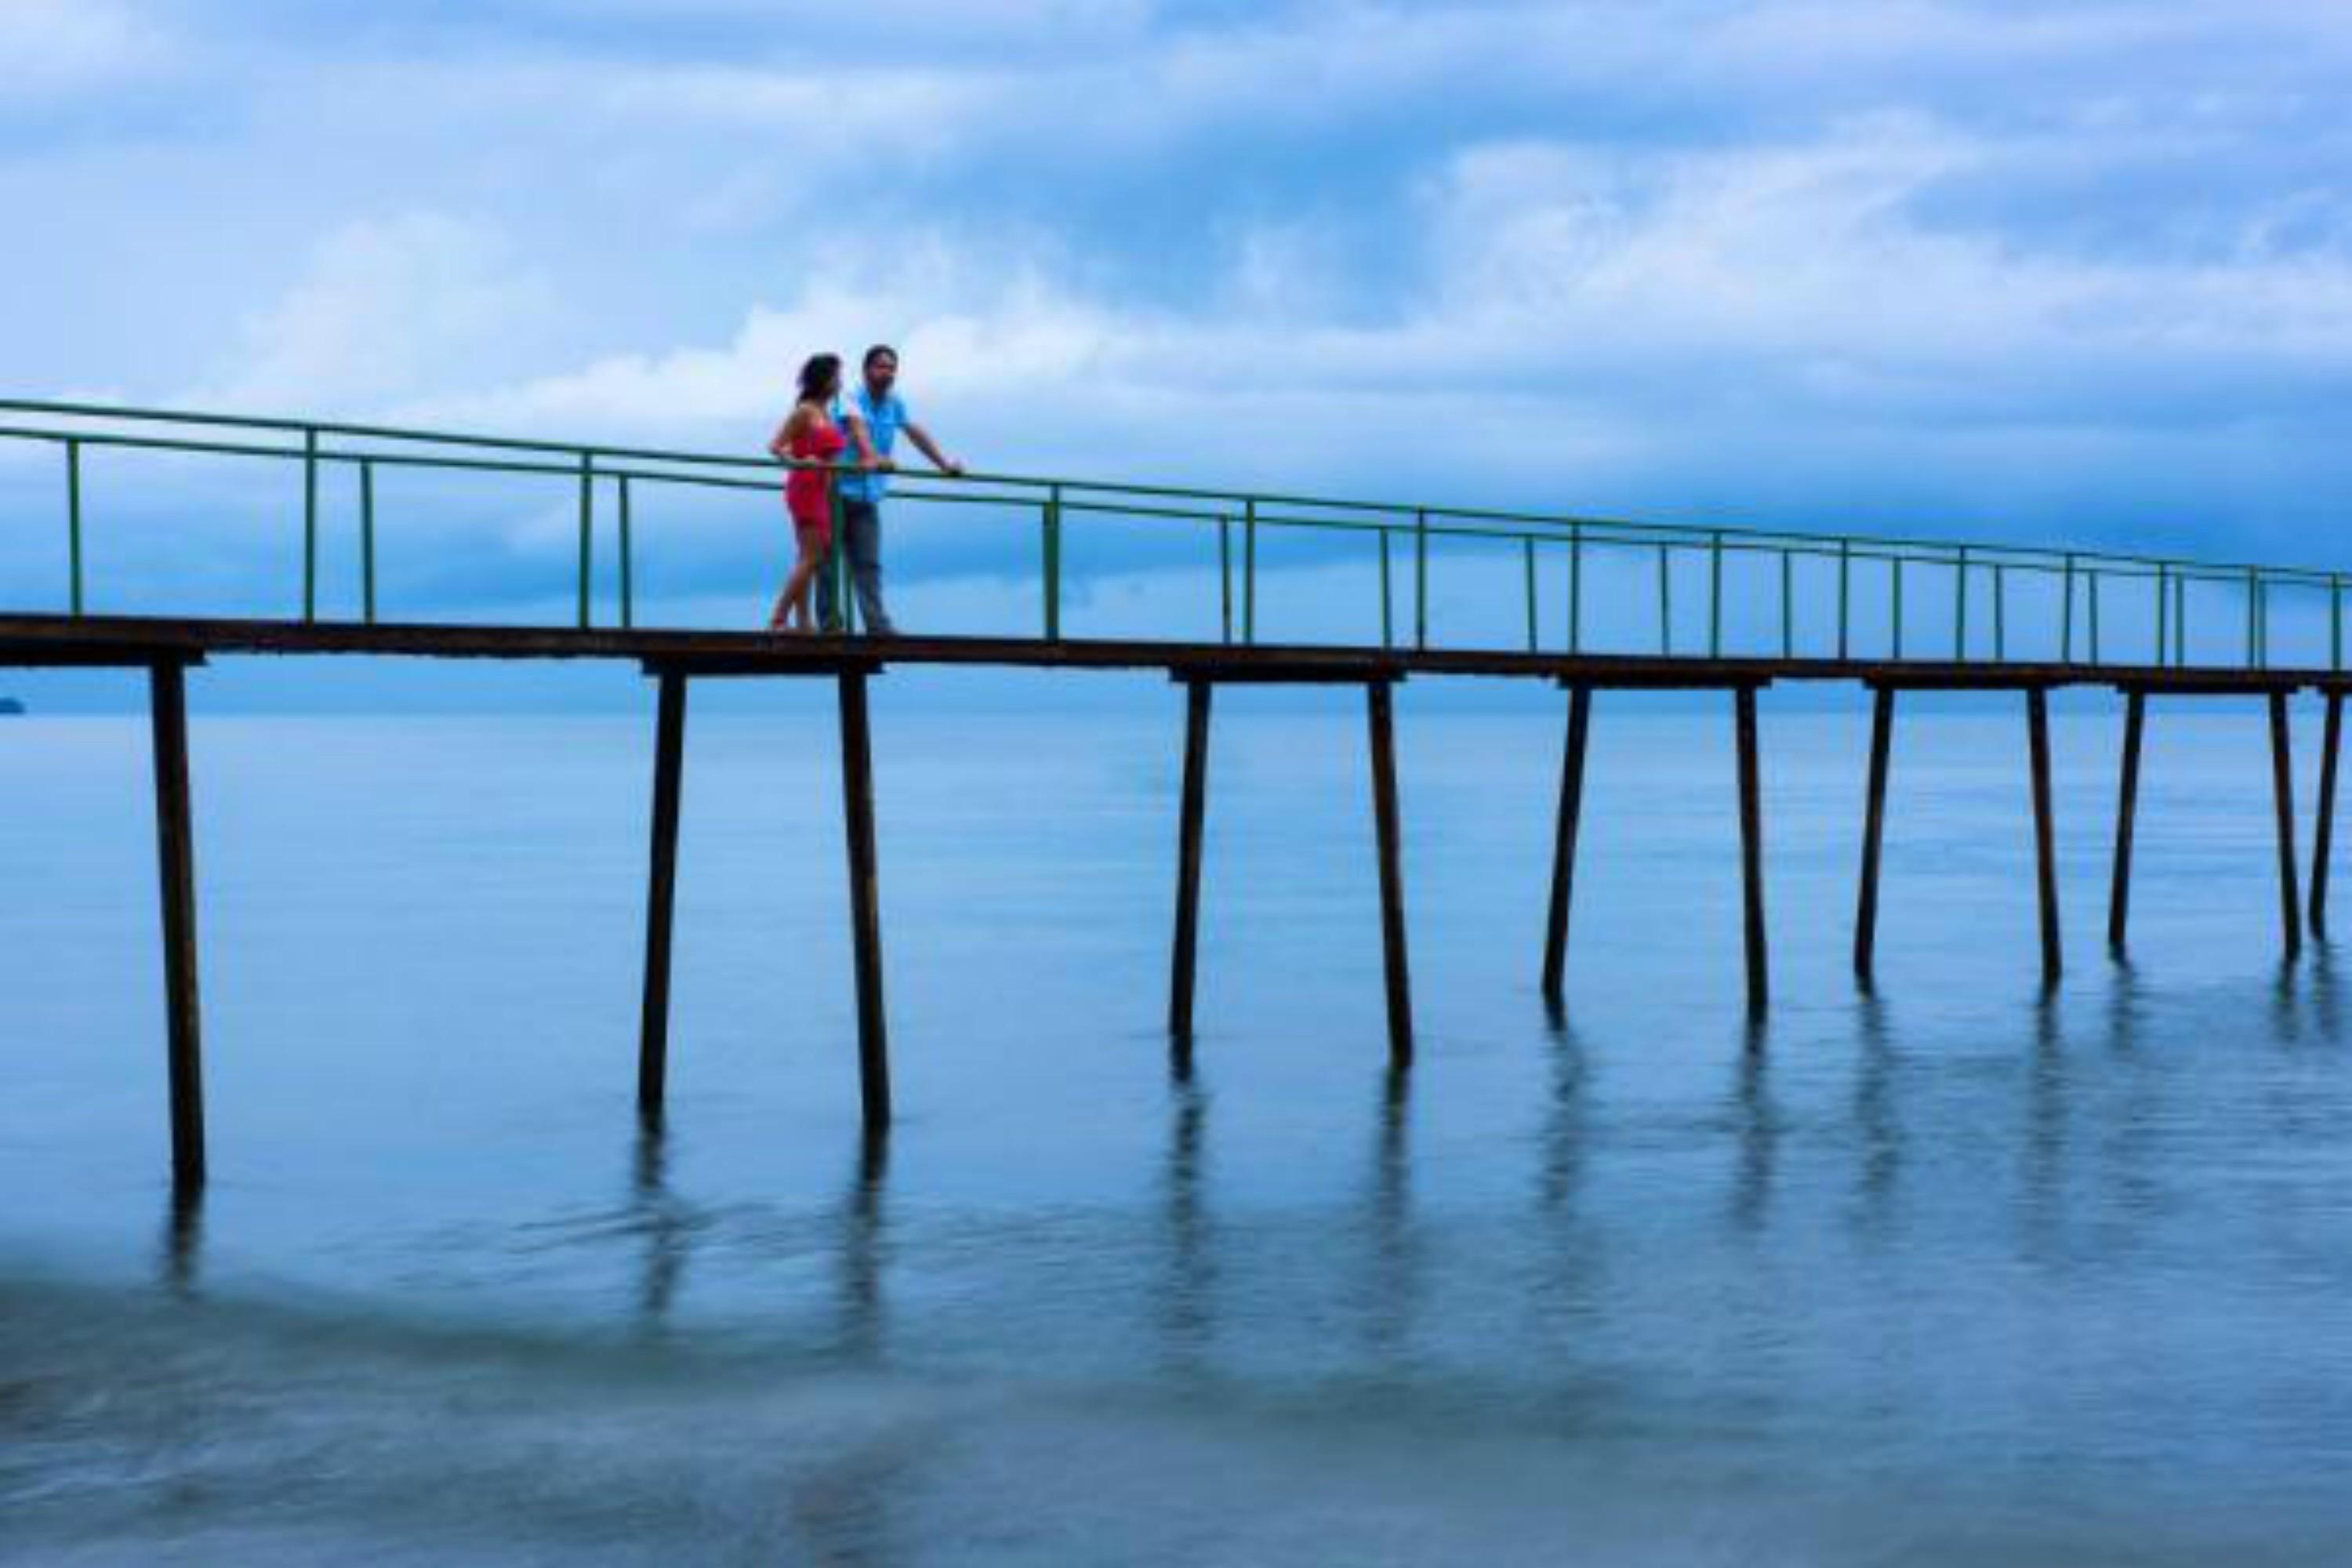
1959 1273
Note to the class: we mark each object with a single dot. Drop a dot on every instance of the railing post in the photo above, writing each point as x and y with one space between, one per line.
1715 597
2066 613
2180 622
628 562
2097 577
1845 595
2163 610
2000 612
1419 578
1960 607
2253 625
1249 570
587 527
1388 635
310 524
837 565
367 541
1665 606
1053 564
1527 544
73 522
1225 576
2334 620
1575 587
1897 615
1788 603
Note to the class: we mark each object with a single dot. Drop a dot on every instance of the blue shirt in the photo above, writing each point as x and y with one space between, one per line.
883 422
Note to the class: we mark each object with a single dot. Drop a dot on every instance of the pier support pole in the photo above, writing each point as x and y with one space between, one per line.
1873 829
2045 832
2126 820
1192 810
2324 839
661 896
865 901
1751 849
2283 795
1563 857
1379 711
176 860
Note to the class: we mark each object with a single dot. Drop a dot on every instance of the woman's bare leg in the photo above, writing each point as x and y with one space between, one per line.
793 607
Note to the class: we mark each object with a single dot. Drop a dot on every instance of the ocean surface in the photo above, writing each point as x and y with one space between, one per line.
1959 1272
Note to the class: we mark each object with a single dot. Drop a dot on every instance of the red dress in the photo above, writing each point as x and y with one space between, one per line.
808 492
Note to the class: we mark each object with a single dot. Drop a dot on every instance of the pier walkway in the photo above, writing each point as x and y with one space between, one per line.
1758 607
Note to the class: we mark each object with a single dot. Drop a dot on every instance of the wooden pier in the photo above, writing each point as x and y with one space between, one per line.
166 649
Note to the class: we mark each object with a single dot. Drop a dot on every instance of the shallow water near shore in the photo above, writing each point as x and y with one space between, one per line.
1958 1272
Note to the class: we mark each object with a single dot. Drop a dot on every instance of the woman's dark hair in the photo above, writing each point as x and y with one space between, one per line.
820 377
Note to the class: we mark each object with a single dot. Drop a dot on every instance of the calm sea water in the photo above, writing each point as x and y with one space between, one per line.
1963 1273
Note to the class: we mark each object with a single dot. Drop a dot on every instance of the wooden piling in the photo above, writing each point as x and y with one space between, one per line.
1751 849
2045 832
2282 796
2324 835
661 894
1563 858
176 863
2126 820
1379 711
1873 829
865 900
1191 811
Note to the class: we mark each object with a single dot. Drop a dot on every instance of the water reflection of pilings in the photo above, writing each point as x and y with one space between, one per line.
1877 1116
1759 1126
664 1227
183 1247
864 1249
1565 1129
1395 1271
2046 1132
1186 1314
2286 1013
2325 1001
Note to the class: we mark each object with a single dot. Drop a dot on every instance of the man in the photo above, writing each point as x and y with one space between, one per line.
872 413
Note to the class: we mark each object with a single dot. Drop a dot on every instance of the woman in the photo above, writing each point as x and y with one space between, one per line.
809 440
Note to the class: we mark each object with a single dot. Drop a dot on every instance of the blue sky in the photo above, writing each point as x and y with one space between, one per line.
2061 271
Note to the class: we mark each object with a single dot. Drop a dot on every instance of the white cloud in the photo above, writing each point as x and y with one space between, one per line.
53 48
385 310
1797 276
1317 239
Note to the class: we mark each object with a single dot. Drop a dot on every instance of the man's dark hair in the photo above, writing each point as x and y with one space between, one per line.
819 375
876 352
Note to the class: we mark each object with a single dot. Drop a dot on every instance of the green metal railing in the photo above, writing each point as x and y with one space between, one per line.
2072 617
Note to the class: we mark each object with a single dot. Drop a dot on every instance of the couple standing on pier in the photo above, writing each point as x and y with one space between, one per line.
826 425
